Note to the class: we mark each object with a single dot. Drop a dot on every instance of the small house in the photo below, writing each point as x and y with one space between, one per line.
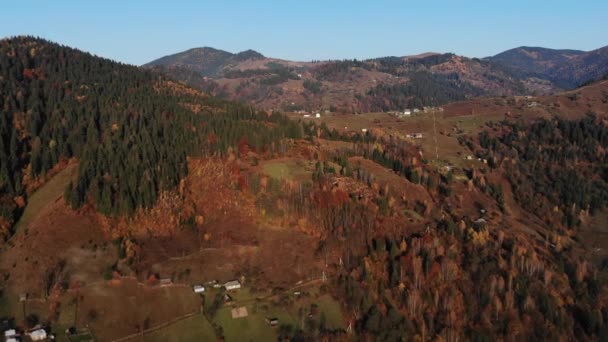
272 321
317 115
165 282
407 112
10 333
306 115
232 285
364 130
198 289
38 335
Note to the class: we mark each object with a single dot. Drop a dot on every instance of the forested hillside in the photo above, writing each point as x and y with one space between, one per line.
566 69
561 165
128 128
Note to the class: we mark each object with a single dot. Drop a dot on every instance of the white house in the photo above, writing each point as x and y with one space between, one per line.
364 130
10 333
407 112
306 115
38 335
198 289
318 115
232 285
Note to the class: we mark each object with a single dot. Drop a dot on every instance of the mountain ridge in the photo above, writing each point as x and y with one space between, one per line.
382 83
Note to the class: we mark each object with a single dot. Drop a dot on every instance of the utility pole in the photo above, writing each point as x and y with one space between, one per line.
435 137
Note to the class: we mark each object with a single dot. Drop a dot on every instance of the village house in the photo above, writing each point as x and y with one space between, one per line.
317 115
198 289
272 321
38 335
165 282
232 285
10 335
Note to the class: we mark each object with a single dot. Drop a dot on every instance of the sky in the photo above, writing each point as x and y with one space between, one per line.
137 32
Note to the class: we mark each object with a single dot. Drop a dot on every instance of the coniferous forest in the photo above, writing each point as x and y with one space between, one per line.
129 131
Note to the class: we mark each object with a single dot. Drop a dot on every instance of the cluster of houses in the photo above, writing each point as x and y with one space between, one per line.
414 135
229 286
472 157
405 112
316 115
408 112
36 334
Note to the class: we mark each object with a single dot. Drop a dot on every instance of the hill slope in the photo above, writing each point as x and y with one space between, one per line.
350 86
534 60
206 61
411 248
566 69
130 129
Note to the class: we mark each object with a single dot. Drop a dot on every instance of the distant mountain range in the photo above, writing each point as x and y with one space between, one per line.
566 69
379 84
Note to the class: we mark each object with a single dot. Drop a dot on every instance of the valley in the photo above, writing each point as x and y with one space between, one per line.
126 191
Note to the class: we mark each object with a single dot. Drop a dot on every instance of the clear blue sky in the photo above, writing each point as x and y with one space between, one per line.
136 31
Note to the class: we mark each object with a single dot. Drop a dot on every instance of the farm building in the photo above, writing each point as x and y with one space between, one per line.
272 321
38 335
318 115
10 333
232 285
198 289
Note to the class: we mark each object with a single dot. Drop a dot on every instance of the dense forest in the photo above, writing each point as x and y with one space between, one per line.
422 89
560 163
461 278
129 131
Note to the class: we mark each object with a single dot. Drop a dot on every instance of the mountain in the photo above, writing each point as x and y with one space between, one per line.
583 68
387 83
534 60
380 84
566 69
206 61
